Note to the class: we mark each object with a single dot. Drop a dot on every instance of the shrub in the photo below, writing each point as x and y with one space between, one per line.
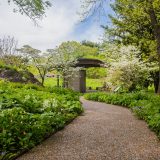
29 113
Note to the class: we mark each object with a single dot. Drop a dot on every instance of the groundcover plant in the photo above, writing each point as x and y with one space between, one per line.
30 113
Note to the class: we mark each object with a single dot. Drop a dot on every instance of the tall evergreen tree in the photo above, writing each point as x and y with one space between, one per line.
138 22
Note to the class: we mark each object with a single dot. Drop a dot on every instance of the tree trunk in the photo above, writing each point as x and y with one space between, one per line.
158 91
156 29
156 81
42 81
64 80
58 81
146 84
132 88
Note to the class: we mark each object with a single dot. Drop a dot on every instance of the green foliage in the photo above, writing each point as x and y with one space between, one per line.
42 62
138 23
132 24
33 9
94 83
51 82
30 113
90 44
96 73
7 67
14 74
145 105
125 68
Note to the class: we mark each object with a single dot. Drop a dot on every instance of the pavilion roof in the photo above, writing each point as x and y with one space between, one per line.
89 62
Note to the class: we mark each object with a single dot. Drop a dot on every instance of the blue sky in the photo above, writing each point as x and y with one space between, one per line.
62 23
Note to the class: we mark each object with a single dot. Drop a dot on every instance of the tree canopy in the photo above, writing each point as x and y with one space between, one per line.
34 9
137 23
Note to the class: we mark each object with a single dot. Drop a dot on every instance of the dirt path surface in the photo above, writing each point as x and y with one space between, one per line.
103 132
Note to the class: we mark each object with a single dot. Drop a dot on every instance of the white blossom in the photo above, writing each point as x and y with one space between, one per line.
125 68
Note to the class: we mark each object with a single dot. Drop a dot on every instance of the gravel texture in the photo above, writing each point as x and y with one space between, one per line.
103 132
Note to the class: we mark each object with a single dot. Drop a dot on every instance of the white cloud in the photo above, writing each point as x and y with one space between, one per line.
56 27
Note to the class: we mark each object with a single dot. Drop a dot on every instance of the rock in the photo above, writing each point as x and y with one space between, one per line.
14 75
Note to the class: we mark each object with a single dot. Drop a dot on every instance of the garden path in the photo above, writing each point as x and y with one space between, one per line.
103 132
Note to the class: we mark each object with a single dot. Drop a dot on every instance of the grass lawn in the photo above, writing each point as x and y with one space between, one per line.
51 82
93 83
89 82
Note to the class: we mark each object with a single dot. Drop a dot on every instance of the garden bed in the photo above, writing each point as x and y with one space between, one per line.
30 113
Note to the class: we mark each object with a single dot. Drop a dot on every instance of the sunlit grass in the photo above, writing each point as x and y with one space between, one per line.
52 82
94 83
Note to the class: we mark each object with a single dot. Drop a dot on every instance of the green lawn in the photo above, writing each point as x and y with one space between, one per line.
93 83
51 82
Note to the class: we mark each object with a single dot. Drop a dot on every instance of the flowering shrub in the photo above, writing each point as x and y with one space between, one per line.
29 114
125 68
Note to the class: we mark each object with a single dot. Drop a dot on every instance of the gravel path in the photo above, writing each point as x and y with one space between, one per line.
103 132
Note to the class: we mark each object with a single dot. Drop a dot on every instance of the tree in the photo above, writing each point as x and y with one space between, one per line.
138 23
34 9
8 52
125 69
65 58
66 55
90 44
8 46
135 22
41 61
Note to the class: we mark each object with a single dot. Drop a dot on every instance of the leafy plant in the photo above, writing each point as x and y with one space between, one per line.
29 113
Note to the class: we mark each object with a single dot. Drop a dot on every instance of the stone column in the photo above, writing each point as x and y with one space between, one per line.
78 81
82 81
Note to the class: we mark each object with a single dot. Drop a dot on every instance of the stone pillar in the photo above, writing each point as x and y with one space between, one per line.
78 81
82 81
